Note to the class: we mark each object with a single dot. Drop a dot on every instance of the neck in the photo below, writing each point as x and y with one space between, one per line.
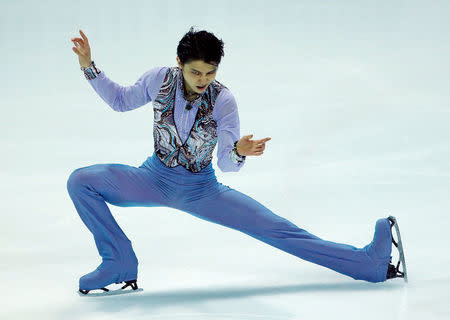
188 92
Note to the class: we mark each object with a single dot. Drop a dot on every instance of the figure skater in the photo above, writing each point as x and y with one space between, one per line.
192 113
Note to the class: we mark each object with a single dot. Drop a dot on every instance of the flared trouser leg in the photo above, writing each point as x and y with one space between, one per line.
238 211
121 185
202 196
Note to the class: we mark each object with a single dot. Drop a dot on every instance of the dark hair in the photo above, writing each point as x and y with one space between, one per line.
200 45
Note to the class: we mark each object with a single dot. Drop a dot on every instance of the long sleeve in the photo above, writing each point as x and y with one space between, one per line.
228 130
126 98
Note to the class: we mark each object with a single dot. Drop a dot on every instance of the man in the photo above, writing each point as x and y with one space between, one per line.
192 113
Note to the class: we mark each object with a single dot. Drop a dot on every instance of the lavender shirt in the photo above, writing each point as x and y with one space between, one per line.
225 112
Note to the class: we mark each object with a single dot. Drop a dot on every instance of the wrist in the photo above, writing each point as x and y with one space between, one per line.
238 153
237 158
85 67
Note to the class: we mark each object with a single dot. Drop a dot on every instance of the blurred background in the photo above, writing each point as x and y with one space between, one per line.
354 95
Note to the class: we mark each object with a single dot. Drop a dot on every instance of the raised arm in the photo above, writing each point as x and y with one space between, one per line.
125 98
119 98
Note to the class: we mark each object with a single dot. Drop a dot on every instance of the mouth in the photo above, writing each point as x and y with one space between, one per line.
201 88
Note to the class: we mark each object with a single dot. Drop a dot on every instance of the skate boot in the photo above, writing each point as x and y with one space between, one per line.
393 271
106 274
379 250
381 246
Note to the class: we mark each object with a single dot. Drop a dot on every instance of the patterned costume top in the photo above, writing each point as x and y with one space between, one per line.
196 152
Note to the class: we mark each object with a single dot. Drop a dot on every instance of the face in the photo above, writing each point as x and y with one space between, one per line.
197 74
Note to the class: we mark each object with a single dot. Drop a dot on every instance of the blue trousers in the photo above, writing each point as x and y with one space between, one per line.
200 194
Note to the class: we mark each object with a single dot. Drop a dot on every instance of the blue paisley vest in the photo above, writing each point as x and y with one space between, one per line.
196 152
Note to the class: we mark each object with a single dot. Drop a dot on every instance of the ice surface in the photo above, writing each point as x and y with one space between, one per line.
354 96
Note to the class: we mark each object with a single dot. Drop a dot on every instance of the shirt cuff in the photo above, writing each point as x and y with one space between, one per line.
235 156
91 72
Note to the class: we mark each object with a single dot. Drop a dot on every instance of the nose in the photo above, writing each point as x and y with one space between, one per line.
204 80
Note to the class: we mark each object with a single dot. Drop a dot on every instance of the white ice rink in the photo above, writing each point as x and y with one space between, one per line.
354 94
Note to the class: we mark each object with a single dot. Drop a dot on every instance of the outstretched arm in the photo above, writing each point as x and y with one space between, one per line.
119 98
125 98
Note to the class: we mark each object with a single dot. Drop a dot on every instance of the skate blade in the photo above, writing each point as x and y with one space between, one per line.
400 248
109 293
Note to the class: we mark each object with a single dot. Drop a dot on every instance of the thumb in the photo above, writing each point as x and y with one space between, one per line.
248 136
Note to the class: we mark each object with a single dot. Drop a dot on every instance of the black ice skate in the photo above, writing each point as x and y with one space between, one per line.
393 271
107 292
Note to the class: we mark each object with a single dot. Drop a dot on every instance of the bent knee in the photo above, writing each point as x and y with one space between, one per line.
75 179
81 176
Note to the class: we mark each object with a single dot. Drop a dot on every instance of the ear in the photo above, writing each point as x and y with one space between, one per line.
179 63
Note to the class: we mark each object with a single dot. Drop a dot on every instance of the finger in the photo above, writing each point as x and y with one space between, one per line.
263 140
79 41
76 50
248 136
84 36
77 45
259 147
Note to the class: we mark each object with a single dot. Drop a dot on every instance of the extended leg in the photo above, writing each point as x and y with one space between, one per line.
236 210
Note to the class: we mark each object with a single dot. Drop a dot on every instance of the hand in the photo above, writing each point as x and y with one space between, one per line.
83 50
247 147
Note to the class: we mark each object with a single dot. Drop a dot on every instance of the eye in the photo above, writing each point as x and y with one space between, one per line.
198 73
